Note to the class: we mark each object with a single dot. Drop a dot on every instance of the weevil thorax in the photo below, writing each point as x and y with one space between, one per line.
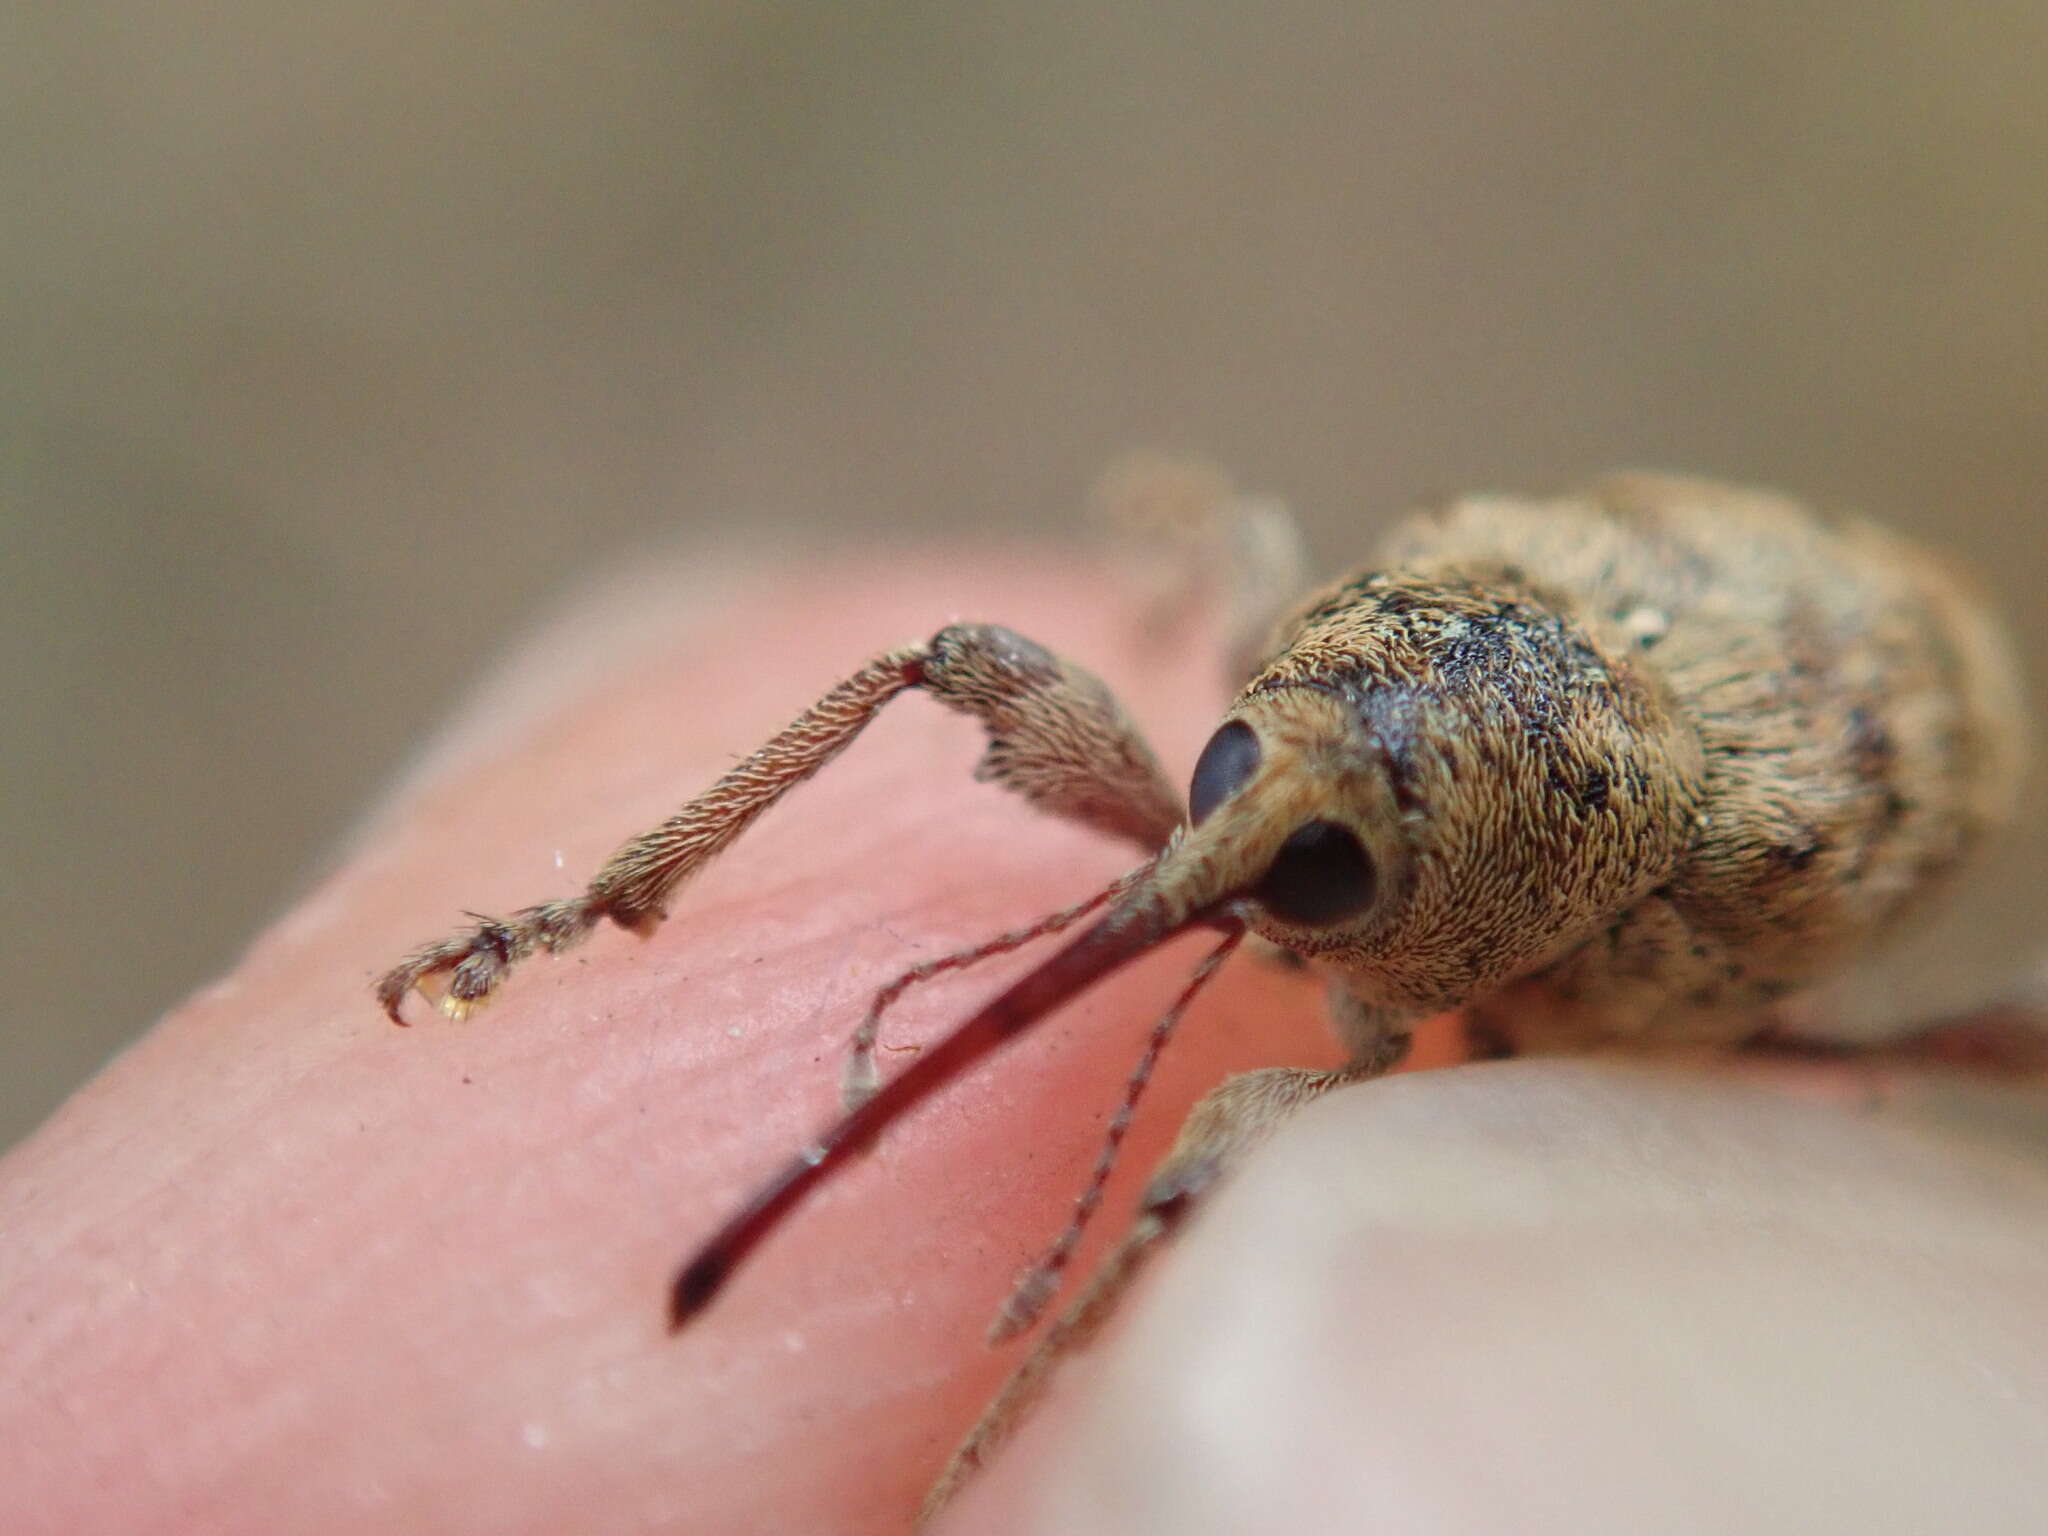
1441 780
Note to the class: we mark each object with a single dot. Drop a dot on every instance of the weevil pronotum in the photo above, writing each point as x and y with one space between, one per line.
1632 766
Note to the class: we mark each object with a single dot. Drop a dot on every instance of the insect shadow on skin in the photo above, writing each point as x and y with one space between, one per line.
1627 767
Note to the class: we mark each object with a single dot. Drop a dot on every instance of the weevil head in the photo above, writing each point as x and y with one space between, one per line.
1438 784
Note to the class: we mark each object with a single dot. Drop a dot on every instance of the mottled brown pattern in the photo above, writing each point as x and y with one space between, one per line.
1632 766
1659 753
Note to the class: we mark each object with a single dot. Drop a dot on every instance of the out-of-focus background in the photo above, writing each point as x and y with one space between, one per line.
338 338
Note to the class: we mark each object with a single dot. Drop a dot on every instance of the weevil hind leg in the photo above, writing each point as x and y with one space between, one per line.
1218 1133
1057 737
2003 1039
2006 1037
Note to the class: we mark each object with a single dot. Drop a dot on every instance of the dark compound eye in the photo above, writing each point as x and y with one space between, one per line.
1321 876
1231 757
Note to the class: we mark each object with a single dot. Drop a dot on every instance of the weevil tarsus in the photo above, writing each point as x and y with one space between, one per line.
1072 1330
633 887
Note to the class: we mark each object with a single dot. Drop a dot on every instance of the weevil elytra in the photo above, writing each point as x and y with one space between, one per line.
1632 766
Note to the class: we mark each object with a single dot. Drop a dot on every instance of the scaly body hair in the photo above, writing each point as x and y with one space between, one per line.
1639 762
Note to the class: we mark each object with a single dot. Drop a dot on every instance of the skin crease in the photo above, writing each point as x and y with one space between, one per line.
283 1266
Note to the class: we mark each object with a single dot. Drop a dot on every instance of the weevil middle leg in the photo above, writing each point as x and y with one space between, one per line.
1224 1128
2005 1039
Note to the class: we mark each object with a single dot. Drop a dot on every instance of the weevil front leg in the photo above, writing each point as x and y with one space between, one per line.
1057 737
1218 1134
1197 544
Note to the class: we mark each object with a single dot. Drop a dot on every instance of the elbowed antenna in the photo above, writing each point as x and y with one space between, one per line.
1198 879
1144 919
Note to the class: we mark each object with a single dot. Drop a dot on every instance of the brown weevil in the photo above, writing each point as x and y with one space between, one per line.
1632 766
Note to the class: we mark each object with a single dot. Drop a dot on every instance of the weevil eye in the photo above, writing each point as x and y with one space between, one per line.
1231 757
1320 876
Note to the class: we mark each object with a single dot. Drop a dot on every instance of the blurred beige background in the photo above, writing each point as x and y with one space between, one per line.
338 338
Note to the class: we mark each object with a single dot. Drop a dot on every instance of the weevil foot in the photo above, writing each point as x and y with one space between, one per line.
458 974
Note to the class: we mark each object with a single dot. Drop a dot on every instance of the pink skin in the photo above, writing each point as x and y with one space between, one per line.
282 1266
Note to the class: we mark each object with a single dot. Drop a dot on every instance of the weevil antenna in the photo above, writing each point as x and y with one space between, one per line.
1143 920
858 1081
1200 879
1036 1285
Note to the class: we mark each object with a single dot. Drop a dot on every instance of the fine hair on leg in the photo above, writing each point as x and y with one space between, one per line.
1057 737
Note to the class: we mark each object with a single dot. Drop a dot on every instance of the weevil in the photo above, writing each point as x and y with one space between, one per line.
1633 766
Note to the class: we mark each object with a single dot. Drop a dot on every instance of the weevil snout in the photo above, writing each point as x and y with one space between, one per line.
1276 839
